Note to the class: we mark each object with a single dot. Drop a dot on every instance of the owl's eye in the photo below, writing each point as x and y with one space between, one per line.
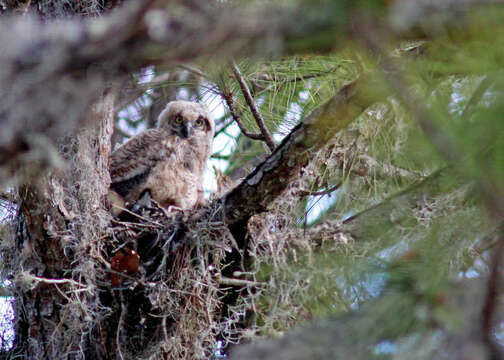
199 122
178 119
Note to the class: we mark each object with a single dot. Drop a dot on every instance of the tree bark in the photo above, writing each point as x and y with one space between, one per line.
59 219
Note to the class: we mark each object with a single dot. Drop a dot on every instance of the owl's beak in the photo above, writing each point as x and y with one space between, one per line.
187 130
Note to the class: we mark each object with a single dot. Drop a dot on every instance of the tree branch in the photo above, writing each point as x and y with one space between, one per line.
323 192
193 70
476 97
253 108
341 337
261 88
228 98
445 142
454 152
271 177
359 226
490 305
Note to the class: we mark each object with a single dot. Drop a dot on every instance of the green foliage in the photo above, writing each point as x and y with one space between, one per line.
411 210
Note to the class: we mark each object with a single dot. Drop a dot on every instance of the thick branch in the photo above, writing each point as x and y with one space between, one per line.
271 177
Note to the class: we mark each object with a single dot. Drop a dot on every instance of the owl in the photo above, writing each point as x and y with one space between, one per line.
167 161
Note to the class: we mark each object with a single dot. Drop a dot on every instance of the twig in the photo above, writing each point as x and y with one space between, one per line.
220 157
410 188
120 324
128 277
311 76
164 327
132 225
224 126
193 70
242 273
53 281
323 192
476 97
222 280
228 98
138 216
253 108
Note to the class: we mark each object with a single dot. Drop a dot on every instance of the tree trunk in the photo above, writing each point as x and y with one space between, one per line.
59 221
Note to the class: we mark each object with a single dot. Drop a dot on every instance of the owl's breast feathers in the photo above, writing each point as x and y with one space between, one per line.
164 164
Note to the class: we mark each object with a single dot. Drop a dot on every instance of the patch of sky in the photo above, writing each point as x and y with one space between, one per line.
131 114
469 274
317 205
7 318
292 118
499 333
385 348
463 89
224 143
219 354
304 96
478 267
369 287
361 286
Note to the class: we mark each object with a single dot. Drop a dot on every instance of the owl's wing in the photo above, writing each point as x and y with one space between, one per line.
132 162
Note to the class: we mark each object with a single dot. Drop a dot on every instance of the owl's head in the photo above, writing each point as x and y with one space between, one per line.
187 119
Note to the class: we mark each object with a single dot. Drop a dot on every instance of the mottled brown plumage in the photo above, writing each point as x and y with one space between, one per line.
167 161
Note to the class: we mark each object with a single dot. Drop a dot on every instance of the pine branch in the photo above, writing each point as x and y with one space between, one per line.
454 152
357 226
329 338
445 142
271 177
323 192
228 98
280 81
129 39
193 70
253 108
476 97
224 124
